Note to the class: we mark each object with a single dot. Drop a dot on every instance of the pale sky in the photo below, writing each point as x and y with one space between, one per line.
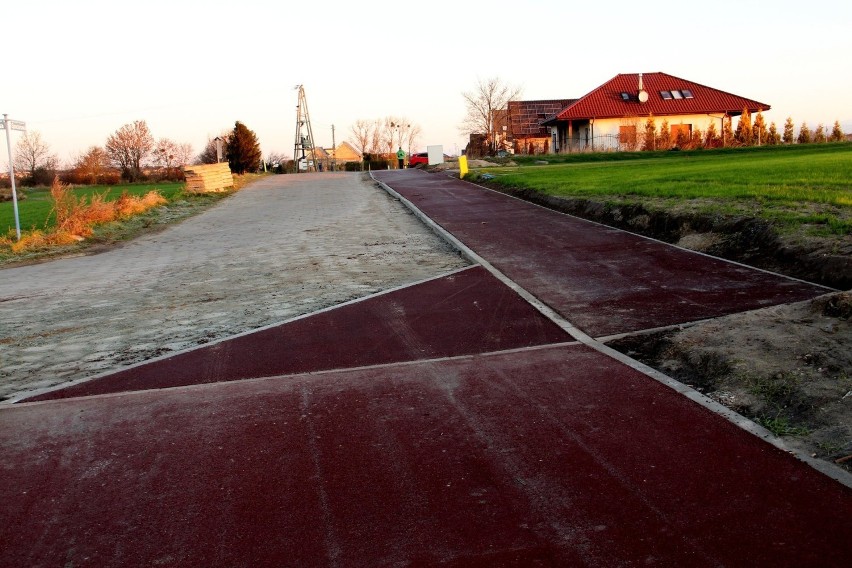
78 71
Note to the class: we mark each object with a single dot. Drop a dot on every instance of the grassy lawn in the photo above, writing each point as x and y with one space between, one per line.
35 211
788 185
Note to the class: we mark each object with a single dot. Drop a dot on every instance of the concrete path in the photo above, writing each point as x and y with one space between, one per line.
447 423
282 247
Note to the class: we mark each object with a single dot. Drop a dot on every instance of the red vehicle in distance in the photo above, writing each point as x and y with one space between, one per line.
417 159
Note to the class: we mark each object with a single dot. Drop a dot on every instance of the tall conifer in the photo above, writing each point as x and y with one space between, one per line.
243 150
837 132
804 134
787 138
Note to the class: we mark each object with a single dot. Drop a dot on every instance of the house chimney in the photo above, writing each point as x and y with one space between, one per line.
641 87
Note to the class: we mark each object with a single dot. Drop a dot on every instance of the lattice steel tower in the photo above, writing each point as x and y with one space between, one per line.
303 151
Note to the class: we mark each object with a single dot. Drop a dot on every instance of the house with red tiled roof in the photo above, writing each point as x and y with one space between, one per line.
613 115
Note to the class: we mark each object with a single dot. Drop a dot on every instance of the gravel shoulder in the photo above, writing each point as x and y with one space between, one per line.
281 247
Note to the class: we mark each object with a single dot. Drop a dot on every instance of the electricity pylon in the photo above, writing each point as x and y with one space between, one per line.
303 152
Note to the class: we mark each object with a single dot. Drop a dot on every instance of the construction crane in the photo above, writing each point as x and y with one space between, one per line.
303 151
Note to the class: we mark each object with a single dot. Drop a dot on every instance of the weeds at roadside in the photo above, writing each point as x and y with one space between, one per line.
781 426
76 217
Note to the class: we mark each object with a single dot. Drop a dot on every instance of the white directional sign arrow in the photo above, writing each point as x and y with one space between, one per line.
14 124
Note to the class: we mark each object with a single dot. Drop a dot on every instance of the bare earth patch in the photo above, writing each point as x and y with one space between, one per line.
786 367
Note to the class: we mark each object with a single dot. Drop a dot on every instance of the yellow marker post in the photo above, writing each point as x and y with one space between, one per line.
462 166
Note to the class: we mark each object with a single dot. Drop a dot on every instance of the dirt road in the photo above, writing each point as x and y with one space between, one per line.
281 247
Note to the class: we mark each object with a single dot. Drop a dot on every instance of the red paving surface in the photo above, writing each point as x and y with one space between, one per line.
463 313
553 456
602 280
544 454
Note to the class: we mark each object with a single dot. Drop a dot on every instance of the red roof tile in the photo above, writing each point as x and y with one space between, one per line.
607 102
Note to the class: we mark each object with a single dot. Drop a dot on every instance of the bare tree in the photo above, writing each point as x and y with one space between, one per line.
276 159
376 137
361 131
128 147
488 97
412 136
183 154
33 154
165 156
209 155
388 136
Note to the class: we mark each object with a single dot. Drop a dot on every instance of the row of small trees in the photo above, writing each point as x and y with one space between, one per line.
747 133
126 154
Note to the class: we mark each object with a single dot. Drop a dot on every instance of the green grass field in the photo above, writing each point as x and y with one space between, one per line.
790 185
36 211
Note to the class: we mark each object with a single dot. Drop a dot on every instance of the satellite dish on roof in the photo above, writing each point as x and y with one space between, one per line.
643 96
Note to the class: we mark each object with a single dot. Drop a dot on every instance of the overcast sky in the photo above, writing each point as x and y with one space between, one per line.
77 71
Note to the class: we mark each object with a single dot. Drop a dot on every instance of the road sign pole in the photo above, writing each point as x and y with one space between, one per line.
7 124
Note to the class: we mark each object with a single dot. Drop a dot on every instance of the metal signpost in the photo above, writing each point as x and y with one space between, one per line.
13 125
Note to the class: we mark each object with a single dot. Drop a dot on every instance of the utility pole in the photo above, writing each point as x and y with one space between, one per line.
304 138
9 125
333 151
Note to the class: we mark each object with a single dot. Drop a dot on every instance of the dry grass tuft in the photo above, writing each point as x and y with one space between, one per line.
76 217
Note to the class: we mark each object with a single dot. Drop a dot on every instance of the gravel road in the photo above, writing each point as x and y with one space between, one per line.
283 246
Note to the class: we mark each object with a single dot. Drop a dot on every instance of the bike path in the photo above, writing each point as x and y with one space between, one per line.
547 456
463 313
603 280
446 423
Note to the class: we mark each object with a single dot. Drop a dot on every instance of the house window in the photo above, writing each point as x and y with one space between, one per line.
687 94
666 95
625 96
676 95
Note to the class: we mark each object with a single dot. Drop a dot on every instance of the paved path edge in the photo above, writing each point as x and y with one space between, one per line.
22 397
735 418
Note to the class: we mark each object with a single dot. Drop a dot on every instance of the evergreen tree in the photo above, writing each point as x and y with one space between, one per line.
837 132
727 132
649 141
804 134
243 150
743 132
787 138
711 137
759 134
819 134
697 140
664 140
773 138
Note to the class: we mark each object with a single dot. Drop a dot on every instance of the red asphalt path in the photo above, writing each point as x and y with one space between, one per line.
603 280
447 423
551 456
463 313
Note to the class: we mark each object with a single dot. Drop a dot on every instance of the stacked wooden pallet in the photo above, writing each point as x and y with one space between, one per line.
208 178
